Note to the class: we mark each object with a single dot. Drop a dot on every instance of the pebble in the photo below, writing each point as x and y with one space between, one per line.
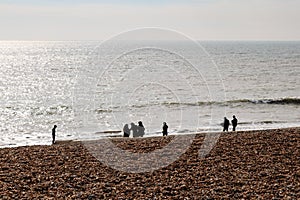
242 165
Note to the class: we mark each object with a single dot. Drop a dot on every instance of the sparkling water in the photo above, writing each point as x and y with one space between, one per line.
88 92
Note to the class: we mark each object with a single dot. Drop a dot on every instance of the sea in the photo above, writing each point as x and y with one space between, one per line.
91 89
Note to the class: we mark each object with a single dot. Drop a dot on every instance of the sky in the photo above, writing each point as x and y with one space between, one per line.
197 19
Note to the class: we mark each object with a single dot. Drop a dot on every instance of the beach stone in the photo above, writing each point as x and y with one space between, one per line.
243 165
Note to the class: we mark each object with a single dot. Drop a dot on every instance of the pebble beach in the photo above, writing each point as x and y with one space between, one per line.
260 164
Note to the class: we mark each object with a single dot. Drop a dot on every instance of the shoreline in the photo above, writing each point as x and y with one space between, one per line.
262 164
151 136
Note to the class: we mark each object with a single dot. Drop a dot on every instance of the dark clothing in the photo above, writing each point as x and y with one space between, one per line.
53 135
234 123
226 125
140 129
126 131
165 130
134 130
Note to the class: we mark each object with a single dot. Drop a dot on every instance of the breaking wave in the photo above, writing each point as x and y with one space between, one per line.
283 101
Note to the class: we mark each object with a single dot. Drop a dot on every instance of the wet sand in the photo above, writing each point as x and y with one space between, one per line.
247 164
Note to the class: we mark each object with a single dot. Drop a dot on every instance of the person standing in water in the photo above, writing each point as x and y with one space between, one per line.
234 122
226 124
53 134
165 129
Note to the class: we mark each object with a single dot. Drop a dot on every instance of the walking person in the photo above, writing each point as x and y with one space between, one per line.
226 124
53 134
234 122
165 129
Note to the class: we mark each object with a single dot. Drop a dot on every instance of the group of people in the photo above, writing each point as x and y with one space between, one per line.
226 123
139 130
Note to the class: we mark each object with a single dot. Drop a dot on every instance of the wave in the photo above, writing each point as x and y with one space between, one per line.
103 110
42 110
292 101
262 122
238 102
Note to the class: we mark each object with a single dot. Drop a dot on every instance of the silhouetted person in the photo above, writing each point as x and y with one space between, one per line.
226 124
126 130
165 129
134 130
53 134
234 122
141 129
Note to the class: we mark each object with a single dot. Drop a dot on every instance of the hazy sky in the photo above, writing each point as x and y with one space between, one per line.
198 19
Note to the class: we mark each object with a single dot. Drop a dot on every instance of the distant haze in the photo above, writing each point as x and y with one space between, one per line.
100 19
